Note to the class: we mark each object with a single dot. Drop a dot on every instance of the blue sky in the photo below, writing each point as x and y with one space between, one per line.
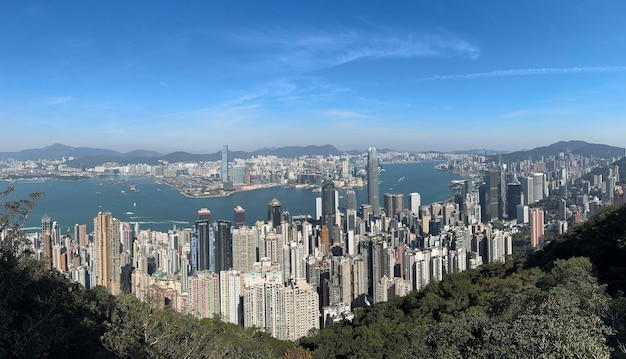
407 75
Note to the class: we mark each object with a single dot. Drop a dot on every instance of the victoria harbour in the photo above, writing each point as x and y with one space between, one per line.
159 207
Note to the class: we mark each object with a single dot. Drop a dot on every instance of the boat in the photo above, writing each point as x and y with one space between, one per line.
316 190
98 193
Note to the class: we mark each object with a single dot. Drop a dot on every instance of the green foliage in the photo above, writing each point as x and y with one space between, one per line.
497 311
42 314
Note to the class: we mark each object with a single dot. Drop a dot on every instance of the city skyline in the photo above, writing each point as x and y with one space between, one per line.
425 76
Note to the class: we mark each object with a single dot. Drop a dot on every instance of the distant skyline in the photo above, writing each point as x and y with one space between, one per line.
416 76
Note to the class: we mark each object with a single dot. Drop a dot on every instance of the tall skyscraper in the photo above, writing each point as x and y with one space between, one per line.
350 199
202 243
107 242
538 186
372 181
274 212
489 197
328 203
514 197
536 227
415 202
81 234
225 164
223 246
46 238
388 204
527 190
397 203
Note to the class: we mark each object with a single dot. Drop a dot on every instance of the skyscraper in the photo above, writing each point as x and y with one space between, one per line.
274 211
107 242
538 186
489 197
514 197
415 202
225 164
46 237
328 203
202 242
350 199
527 190
372 181
223 246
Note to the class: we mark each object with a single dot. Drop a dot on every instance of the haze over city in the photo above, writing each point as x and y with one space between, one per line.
409 76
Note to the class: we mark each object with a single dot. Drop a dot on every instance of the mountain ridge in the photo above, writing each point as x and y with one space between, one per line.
88 155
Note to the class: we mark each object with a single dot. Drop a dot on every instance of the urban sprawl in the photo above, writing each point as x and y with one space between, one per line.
290 274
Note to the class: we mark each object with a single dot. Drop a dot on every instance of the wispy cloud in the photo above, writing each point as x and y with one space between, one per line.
345 115
52 101
539 112
284 49
527 72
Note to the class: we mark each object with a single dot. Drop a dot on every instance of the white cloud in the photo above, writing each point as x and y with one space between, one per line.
527 72
537 113
285 49
53 101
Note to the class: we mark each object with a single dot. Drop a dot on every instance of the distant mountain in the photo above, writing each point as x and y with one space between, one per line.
576 147
58 151
91 156
479 151
142 153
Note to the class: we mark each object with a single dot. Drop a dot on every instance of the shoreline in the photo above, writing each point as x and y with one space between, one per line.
228 193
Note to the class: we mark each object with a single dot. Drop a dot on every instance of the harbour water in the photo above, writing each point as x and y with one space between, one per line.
160 207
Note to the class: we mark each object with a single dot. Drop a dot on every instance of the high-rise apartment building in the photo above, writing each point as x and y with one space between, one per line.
372 181
536 227
245 244
301 309
107 244
240 216
231 289
205 295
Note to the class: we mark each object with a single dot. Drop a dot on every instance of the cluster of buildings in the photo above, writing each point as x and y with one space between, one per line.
290 274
